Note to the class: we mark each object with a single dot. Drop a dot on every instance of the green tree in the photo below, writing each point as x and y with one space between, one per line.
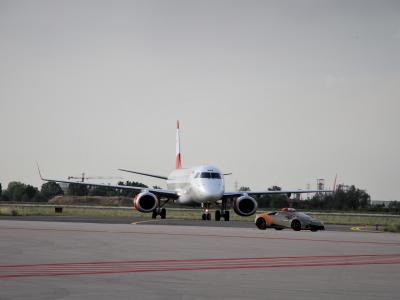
351 199
98 191
112 193
264 201
51 189
5 196
274 200
75 189
279 201
275 188
16 190
130 193
244 189
39 197
365 199
394 206
30 191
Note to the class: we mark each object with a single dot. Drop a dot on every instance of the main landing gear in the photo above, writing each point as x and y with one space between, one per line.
162 212
224 213
219 213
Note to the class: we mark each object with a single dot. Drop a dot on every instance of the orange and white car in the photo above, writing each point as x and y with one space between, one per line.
288 218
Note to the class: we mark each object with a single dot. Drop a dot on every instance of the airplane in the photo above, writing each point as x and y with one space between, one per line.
202 185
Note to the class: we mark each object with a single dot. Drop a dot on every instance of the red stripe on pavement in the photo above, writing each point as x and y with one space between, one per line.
92 268
209 259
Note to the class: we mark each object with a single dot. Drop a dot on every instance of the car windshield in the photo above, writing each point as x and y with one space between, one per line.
303 215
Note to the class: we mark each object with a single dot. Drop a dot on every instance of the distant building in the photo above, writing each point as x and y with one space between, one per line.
380 202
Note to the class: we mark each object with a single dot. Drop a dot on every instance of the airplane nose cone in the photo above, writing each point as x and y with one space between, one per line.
212 192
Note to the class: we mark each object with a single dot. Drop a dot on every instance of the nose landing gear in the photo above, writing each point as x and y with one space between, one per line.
206 213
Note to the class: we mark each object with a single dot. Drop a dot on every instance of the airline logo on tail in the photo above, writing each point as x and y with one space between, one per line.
334 184
178 161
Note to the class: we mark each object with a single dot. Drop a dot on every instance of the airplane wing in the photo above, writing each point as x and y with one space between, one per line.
267 192
160 192
144 174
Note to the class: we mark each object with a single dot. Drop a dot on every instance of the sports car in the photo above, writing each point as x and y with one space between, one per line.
288 218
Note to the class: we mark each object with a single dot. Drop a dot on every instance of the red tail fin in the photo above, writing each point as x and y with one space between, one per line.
334 184
178 161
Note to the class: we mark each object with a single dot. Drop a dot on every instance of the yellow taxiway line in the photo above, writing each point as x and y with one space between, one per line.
145 221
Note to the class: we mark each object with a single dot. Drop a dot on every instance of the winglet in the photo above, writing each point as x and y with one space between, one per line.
40 174
178 160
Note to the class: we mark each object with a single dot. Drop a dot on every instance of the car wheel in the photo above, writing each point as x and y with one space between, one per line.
204 217
296 225
313 229
261 224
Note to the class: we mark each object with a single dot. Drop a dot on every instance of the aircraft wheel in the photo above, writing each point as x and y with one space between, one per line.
163 213
204 217
261 224
217 215
154 214
226 215
208 217
296 225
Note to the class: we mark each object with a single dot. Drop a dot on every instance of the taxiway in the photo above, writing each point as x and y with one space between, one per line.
64 260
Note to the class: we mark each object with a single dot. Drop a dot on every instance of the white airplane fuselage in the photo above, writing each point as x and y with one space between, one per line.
193 186
202 184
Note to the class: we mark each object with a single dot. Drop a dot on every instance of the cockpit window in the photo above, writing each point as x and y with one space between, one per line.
215 175
205 175
210 175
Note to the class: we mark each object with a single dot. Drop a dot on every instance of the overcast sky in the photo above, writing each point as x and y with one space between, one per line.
277 92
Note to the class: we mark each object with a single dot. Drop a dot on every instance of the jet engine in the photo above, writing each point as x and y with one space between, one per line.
245 206
145 202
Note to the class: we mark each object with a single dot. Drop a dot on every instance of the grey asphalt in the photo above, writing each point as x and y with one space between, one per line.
176 222
64 260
